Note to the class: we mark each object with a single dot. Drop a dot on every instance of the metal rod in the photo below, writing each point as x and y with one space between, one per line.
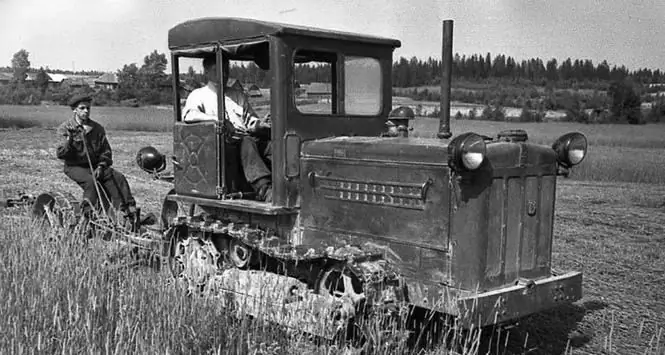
221 113
176 87
92 170
446 76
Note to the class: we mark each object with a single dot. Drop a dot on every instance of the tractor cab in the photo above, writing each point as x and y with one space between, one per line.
316 83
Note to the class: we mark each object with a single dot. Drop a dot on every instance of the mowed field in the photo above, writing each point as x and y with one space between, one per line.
55 295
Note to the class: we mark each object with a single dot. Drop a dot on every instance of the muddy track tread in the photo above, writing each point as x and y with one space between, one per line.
365 262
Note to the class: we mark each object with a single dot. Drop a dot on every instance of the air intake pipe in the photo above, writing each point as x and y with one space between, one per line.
446 76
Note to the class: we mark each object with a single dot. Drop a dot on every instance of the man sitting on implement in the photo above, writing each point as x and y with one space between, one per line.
242 122
88 158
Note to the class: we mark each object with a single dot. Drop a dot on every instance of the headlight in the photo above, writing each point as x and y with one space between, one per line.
467 152
570 149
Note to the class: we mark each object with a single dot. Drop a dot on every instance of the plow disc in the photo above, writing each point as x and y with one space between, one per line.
58 209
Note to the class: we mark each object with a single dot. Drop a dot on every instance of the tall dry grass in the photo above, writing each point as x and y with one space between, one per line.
58 296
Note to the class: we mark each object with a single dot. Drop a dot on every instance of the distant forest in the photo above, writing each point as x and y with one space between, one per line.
417 72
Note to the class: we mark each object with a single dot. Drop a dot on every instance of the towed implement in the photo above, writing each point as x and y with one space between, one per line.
364 219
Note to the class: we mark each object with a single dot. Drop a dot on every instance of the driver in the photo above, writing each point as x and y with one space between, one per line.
242 122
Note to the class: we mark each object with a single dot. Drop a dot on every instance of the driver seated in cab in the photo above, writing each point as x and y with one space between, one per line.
243 124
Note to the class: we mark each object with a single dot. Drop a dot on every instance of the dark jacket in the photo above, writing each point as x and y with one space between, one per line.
72 150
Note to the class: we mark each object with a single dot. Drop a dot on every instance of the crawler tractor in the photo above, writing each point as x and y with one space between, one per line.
364 218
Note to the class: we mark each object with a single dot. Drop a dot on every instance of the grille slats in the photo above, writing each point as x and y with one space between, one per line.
519 228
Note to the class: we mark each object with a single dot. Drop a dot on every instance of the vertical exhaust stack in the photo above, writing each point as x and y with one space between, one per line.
446 76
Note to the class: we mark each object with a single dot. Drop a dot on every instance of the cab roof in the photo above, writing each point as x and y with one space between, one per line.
211 30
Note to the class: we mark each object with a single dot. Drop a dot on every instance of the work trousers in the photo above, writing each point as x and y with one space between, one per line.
256 160
112 182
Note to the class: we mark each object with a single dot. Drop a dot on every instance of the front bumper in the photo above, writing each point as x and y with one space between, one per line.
513 302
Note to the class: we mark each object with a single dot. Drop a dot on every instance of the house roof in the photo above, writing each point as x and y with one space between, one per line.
6 76
233 82
210 30
56 78
107 78
319 88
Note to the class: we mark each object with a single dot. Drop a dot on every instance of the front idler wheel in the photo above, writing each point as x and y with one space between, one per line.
239 254
193 262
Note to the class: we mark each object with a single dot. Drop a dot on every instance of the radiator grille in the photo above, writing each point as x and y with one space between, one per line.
520 236
401 195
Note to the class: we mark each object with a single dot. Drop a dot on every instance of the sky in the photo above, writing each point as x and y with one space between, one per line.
107 34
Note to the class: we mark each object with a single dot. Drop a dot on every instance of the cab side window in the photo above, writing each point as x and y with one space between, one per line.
362 86
314 81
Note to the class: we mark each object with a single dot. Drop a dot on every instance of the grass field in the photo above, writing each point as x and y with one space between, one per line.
616 152
55 296
126 118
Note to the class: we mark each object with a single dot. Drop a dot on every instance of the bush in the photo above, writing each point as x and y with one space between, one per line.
130 103
435 113
657 112
493 114
62 94
529 115
19 95
625 102
576 115
473 114
59 95
105 97
149 97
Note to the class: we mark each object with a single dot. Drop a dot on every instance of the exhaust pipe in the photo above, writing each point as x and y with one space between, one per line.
446 76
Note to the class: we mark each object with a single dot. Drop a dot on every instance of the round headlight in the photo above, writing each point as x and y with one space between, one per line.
571 148
467 152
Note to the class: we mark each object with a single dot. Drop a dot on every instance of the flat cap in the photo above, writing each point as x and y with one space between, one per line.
77 98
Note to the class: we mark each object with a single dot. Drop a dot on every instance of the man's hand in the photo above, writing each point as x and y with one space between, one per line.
262 128
73 131
99 172
234 133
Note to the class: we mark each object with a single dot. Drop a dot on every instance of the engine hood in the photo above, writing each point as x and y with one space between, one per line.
502 157
375 149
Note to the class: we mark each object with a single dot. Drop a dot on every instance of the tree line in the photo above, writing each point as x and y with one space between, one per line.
495 81
417 72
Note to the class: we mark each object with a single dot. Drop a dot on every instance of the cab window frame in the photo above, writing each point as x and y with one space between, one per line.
334 83
338 84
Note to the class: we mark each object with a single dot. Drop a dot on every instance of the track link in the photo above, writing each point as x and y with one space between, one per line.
303 283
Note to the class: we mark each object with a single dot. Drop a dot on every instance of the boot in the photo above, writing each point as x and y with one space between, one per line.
130 218
264 191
